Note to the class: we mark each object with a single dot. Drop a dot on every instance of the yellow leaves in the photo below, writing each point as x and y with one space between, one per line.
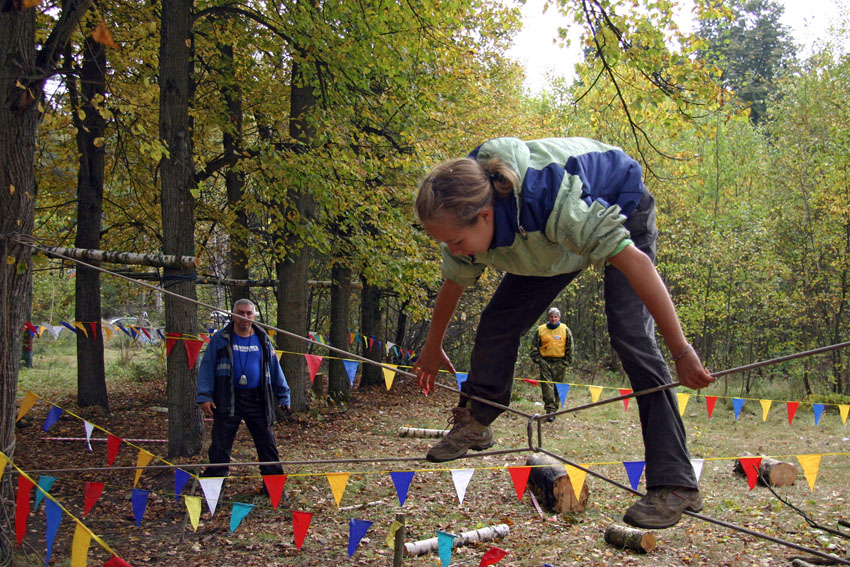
10 260
103 36
11 189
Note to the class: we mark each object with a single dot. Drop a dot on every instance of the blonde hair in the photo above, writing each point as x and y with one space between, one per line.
462 188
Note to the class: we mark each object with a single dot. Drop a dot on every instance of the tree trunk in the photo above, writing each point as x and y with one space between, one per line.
370 326
23 70
185 425
91 372
339 388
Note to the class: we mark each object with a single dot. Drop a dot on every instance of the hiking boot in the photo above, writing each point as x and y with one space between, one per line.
466 433
662 507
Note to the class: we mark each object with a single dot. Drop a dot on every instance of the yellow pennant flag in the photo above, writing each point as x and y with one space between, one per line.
577 477
338 482
683 402
26 405
271 333
142 461
810 464
80 546
389 375
193 506
765 407
843 409
595 392
106 329
3 460
279 353
81 327
390 541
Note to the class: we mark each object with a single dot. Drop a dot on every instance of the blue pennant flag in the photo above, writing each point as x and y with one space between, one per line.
351 367
818 409
240 510
181 477
52 417
563 390
140 504
445 543
634 469
54 517
461 378
45 483
69 326
356 530
401 481
737 404
126 332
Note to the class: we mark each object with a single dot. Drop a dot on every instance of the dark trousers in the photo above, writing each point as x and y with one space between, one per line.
516 306
249 408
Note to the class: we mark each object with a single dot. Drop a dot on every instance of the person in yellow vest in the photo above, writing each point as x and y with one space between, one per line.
552 351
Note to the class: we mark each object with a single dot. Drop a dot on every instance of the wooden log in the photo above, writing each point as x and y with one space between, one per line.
94 256
473 536
630 538
552 487
776 473
422 433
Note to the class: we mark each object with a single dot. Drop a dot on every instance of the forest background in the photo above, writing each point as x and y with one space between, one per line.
282 143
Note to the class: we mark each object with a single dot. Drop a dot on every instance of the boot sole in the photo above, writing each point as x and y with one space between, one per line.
433 459
632 522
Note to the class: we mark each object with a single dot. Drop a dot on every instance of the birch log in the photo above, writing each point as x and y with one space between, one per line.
421 432
474 536
96 256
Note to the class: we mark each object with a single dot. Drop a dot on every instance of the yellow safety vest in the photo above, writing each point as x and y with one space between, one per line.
553 342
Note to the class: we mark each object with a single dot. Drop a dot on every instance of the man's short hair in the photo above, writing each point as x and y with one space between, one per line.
243 301
554 310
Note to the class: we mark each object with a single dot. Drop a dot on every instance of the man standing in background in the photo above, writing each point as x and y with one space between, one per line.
552 351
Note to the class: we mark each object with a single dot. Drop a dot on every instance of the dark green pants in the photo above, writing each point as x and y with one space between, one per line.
551 370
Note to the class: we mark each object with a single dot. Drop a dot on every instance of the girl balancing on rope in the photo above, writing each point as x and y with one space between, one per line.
542 211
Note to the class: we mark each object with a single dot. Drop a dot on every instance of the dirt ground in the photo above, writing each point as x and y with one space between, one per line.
367 430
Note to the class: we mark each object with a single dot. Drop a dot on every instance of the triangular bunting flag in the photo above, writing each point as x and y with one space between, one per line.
389 375
810 464
356 531
577 477
69 327
843 410
351 367
93 327
530 381
634 469
193 508
274 486
93 491
563 390
53 513
26 405
113 442
140 504
765 407
3 462
81 327
116 561
394 527
22 506
461 478
338 482
300 525
107 330
626 392
53 416
595 392
401 481
737 406
445 543
193 348
211 487
493 555
792 410
818 409
45 483
141 461
751 468
682 398
181 477
170 340
710 401
89 427
519 476
461 378
313 362
279 353
53 329
238 513
80 546
697 465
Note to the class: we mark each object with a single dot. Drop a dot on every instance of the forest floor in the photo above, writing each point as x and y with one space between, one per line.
602 437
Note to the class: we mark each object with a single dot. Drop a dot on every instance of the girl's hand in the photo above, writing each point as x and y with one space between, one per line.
429 363
691 372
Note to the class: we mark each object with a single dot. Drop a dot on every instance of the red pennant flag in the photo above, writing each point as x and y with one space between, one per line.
93 326
193 347
520 477
792 410
625 392
493 555
145 332
300 525
751 467
32 328
274 485
313 362
116 561
532 382
22 506
709 404
170 341
205 337
93 492
371 343
112 444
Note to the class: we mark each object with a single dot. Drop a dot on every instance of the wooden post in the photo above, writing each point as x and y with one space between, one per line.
630 538
398 549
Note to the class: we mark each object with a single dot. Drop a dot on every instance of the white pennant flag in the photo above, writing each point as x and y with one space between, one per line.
89 428
212 490
53 330
697 464
461 478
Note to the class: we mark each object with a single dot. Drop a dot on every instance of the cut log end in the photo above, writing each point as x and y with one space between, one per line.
551 485
775 473
630 538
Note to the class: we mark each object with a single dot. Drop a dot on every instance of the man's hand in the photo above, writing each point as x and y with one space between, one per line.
207 408
283 413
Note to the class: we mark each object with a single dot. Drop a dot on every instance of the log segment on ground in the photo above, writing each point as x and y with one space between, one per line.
775 473
465 538
552 487
421 432
641 541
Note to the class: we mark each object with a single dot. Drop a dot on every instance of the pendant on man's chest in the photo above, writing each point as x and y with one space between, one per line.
243 380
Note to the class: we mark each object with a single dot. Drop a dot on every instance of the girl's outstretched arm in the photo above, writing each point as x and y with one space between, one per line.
644 278
433 357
